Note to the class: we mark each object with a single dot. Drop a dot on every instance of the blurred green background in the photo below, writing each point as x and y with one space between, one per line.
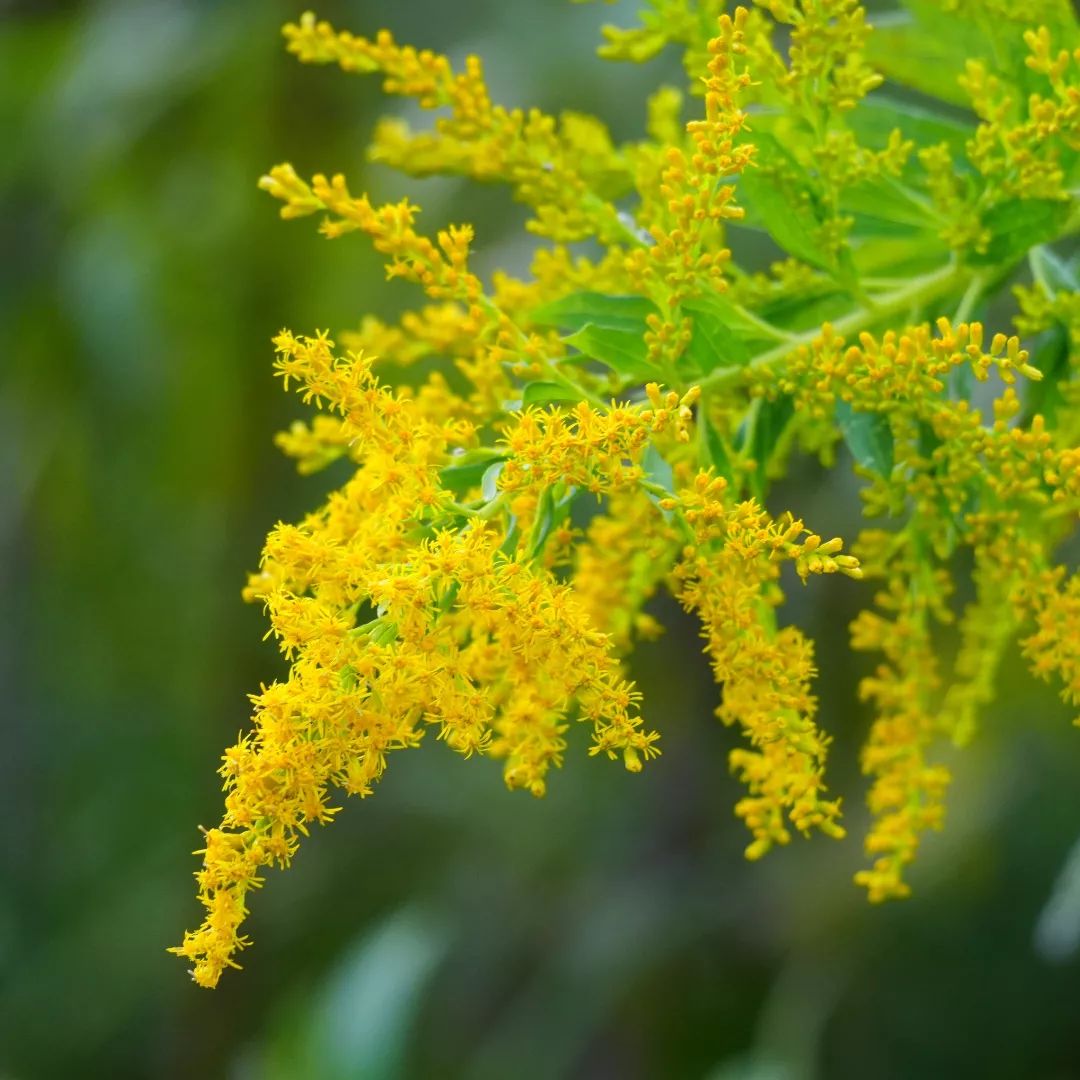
444 928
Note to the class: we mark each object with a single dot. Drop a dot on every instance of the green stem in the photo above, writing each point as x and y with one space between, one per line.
970 298
767 328
553 373
923 289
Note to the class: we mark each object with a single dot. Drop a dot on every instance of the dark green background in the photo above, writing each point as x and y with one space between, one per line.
444 928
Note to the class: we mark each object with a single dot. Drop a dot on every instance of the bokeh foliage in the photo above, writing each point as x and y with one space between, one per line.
609 929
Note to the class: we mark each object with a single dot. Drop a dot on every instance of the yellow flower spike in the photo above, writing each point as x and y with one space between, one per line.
450 582
283 183
765 673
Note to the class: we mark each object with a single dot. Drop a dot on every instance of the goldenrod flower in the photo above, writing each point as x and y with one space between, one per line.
578 439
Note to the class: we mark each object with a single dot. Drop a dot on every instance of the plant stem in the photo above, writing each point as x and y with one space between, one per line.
925 288
970 298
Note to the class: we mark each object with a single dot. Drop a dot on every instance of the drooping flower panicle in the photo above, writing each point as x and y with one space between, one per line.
567 444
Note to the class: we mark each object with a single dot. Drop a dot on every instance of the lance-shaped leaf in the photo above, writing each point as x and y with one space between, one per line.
579 309
1018 225
721 334
621 350
781 198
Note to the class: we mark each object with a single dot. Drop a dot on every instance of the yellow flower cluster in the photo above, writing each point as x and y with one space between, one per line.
687 23
553 165
907 794
942 461
490 649
571 442
1024 145
686 256
1019 144
440 267
727 576
625 555
828 68
597 451
1054 647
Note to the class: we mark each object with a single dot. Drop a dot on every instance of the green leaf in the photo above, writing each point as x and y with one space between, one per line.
719 308
359 1018
543 523
611 330
489 482
868 437
1051 356
385 633
562 502
883 198
761 434
540 393
449 595
657 470
621 350
1019 225
714 449
771 424
961 382
909 255
1052 272
580 309
820 302
781 198
880 114
928 441
467 470
714 342
510 541
921 51
1057 929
